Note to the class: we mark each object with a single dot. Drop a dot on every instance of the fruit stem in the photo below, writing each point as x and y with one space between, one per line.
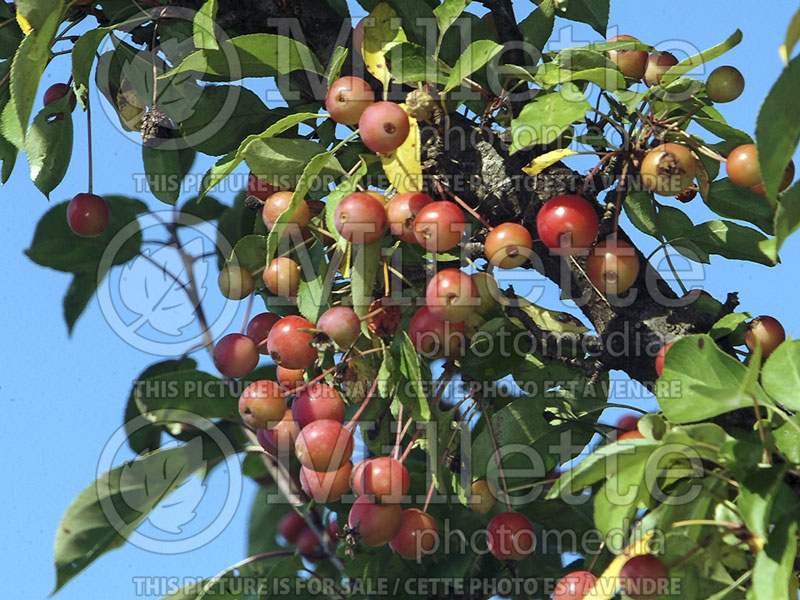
400 431
428 497
593 172
354 421
466 207
89 140
496 446
324 374
410 445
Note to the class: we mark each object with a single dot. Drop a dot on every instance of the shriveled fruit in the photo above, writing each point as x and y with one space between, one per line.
668 169
262 404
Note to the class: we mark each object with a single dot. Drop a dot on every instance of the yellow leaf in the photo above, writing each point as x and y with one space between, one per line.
403 167
549 320
540 163
608 583
23 23
381 32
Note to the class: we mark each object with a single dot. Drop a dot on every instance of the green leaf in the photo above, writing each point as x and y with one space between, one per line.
546 117
219 172
774 568
689 64
207 209
311 170
700 381
787 216
335 66
734 323
274 158
737 202
410 63
132 490
254 55
57 247
312 299
781 374
38 13
176 393
447 12
591 12
792 37
165 169
27 67
346 187
78 295
474 57
410 367
222 116
415 16
249 253
83 55
787 440
757 495
366 262
616 502
493 351
10 34
778 129
204 26
717 125
49 145
537 27
733 241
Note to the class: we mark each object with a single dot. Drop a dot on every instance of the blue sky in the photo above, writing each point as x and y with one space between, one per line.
64 397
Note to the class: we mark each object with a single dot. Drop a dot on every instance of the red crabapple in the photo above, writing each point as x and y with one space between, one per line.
262 404
348 97
766 332
508 245
258 330
644 577
360 218
260 188
658 63
662 354
786 180
88 215
280 439
631 63
291 525
434 338
631 435
668 169
278 202
289 378
418 535
326 487
452 295
341 324
384 126
725 84
235 282
324 445
57 91
612 267
510 536
386 479
439 226
574 586
628 423
567 224
742 166
357 477
315 402
309 546
402 210
288 346
282 277
377 524
235 355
